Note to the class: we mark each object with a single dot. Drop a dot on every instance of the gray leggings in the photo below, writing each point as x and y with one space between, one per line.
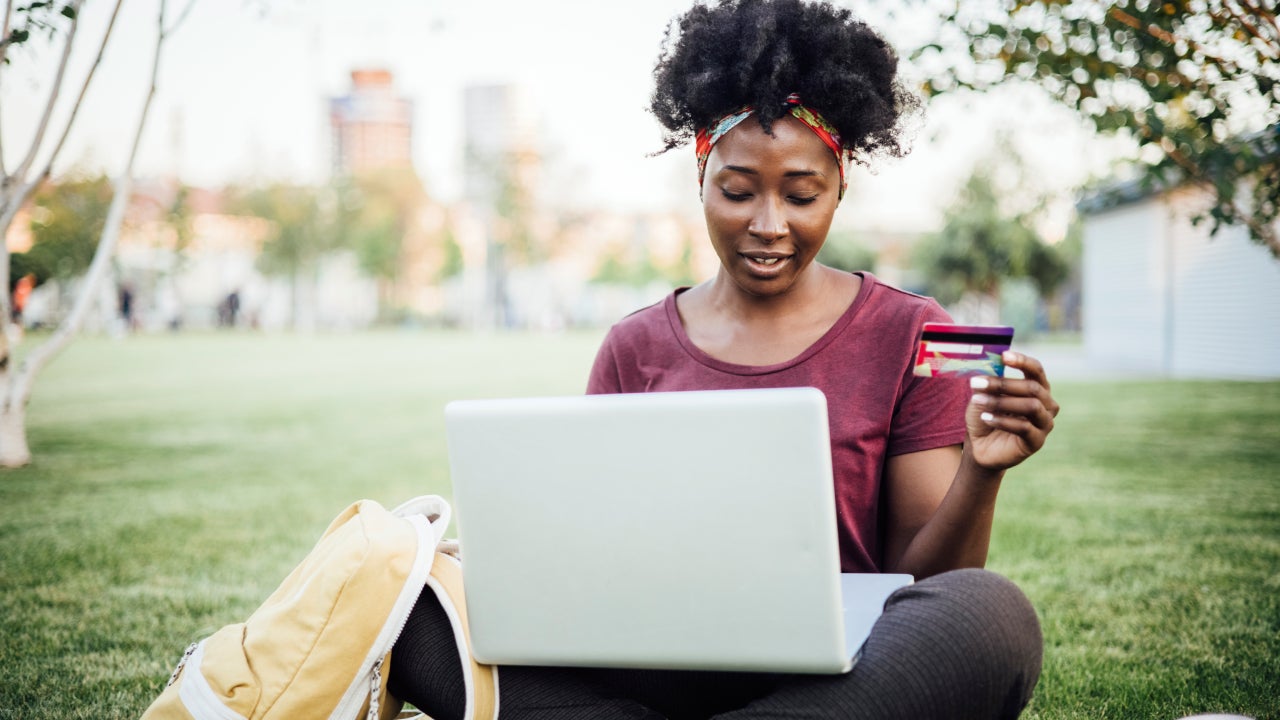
963 644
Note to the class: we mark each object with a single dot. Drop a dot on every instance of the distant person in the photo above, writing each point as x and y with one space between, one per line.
127 313
233 308
778 96
229 309
21 294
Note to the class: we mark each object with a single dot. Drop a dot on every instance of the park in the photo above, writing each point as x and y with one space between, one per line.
178 479
245 278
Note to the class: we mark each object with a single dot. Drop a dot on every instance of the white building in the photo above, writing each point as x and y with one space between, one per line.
1163 296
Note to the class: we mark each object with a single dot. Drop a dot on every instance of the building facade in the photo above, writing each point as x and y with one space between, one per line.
371 127
1161 295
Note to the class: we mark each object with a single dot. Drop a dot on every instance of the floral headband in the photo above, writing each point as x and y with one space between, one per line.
707 137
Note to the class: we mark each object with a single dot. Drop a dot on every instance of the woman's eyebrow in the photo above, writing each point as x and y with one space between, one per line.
789 173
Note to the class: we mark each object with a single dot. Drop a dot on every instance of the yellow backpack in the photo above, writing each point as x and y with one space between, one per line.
316 648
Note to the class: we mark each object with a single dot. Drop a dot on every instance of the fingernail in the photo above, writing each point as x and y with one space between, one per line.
979 383
1010 356
980 399
987 417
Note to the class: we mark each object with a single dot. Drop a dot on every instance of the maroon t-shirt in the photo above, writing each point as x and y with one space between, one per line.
863 364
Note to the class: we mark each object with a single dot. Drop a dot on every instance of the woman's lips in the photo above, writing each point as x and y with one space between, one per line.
766 265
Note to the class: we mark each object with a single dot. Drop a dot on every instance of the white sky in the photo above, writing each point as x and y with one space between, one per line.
243 96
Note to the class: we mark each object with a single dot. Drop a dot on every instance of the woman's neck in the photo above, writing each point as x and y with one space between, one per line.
745 329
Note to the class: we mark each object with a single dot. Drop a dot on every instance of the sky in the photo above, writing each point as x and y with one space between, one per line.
244 86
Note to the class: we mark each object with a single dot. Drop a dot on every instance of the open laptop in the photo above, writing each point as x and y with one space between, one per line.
690 530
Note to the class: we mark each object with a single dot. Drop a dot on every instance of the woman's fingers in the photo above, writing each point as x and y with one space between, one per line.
1031 408
1034 384
1010 418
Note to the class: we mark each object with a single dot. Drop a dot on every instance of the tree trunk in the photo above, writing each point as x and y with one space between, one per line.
13 436
14 451
16 384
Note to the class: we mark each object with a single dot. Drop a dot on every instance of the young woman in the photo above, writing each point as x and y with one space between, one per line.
778 96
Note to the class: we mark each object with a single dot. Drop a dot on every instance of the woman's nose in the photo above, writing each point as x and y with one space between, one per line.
769 222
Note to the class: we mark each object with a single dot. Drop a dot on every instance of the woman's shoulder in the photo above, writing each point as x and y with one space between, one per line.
891 303
645 326
645 319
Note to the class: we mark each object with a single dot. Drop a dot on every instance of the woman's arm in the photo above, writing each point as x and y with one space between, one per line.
939 503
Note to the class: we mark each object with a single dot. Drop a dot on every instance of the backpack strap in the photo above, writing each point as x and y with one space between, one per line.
481 680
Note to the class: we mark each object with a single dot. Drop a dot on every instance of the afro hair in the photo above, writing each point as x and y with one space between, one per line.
719 58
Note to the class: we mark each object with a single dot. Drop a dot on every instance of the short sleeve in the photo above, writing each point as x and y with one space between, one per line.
604 378
930 411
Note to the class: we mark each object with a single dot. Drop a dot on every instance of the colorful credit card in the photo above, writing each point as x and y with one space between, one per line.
962 350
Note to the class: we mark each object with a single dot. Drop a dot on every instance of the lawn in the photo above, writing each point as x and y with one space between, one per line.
178 479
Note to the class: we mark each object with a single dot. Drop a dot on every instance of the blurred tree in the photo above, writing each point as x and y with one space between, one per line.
1196 85
979 246
453 263
378 211
680 273
637 267
621 267
66 222
843 252
18 26
305 224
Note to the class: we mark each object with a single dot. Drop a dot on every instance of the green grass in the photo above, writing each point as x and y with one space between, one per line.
178 479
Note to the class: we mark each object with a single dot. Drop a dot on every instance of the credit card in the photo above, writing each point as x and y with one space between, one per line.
962 350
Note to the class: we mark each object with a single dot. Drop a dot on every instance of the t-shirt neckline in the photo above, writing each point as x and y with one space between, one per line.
839 326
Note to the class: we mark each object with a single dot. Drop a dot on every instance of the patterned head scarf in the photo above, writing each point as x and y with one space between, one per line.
707 137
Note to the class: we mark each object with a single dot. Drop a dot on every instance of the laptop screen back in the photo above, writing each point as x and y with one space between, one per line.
669 530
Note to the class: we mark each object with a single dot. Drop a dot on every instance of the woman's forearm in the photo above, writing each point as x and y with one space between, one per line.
959 532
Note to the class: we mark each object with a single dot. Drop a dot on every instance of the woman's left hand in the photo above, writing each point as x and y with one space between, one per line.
1009 418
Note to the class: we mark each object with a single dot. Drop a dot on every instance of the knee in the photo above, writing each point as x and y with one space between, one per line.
979 603
978 615
963 639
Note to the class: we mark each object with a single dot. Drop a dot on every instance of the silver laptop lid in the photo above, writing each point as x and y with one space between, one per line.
671 530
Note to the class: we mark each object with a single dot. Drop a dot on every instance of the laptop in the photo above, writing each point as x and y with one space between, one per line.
677 530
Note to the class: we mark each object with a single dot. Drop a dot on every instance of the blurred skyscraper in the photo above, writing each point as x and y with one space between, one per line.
501 173
372 128
500 143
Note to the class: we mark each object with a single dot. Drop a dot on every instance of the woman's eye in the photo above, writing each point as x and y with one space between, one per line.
803 200
735 197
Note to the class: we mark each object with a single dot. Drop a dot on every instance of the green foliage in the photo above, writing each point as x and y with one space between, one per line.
66 224
638 268
843 252
301 226
377 211
453 261
618 268
979 245
41 17
1196 84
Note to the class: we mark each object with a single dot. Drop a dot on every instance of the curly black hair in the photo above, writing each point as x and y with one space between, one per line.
718 58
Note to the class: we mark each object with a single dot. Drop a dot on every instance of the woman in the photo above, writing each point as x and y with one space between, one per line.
778 95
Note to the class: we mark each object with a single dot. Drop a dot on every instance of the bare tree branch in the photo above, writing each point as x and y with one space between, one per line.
182 16
38 140
1264 13
40 356
4 33
84 88
10 203
1243 19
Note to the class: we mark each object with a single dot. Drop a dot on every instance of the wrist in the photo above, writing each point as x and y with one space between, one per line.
971 468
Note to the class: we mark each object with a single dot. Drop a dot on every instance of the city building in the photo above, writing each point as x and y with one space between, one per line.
372 127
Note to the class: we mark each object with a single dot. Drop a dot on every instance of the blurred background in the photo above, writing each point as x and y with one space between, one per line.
334 166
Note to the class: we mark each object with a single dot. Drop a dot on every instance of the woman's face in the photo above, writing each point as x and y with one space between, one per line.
769 201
